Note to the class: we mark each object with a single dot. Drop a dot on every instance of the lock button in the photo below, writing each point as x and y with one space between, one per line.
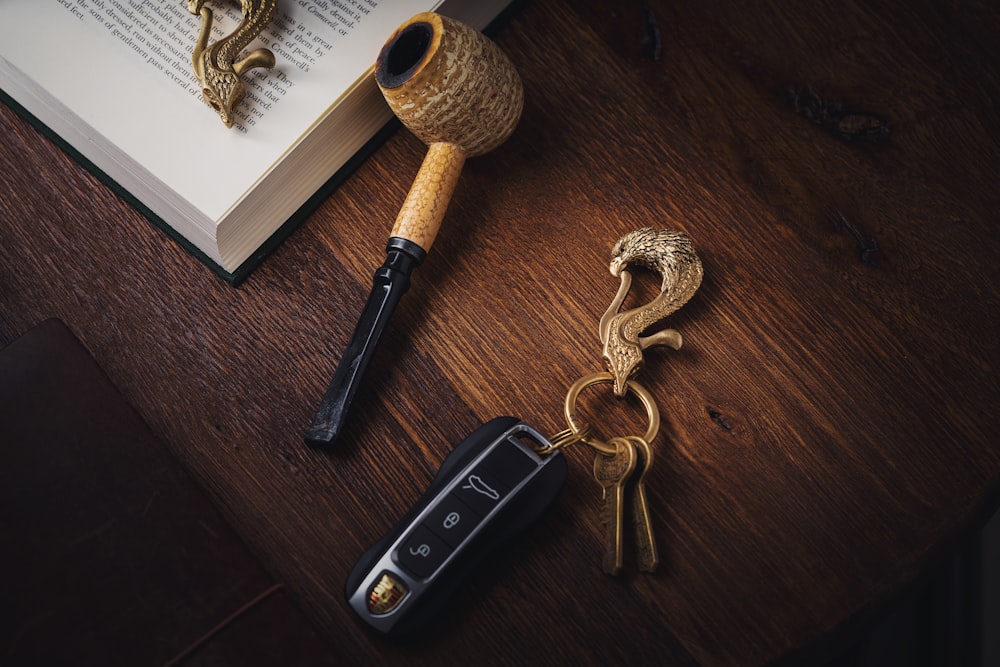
452 520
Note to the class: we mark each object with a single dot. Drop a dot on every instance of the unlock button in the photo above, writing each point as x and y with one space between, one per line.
452 520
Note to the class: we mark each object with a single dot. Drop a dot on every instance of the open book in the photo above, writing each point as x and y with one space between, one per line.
112 81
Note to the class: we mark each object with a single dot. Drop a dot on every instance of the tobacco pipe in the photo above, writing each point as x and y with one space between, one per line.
454 89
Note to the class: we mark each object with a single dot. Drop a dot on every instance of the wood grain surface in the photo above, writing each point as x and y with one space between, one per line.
829 426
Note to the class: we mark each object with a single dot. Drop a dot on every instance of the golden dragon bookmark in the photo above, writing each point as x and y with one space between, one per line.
218 66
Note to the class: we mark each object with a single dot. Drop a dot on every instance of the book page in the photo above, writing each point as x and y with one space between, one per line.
163 37
124 67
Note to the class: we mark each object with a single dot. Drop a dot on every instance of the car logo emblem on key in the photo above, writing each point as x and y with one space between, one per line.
386 594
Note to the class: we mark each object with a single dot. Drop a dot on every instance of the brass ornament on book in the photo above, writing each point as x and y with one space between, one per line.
218 66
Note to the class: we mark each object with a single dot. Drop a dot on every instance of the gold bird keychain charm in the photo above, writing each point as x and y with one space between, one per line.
622 463
218 66
672 255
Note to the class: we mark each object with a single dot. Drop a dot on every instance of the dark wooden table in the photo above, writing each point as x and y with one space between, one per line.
829 427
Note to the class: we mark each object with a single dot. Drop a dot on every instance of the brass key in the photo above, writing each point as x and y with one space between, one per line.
641 520
612 472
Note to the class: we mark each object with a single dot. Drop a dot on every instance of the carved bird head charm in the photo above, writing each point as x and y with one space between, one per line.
672 255
661 250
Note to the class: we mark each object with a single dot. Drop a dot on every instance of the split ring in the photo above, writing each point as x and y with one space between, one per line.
581 430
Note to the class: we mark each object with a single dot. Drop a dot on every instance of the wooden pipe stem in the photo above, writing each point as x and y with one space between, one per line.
423 210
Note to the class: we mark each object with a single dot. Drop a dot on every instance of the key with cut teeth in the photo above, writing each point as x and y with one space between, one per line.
612 472
642 520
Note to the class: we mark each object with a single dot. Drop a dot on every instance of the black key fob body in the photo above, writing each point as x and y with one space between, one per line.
491 487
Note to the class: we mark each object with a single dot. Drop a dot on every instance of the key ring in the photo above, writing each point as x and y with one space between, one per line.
581 431
564 438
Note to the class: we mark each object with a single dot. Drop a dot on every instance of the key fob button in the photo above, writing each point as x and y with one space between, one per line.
480 491
502 470
452 520
508 464
422 552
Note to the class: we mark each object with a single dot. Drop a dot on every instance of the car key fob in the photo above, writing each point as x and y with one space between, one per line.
491 487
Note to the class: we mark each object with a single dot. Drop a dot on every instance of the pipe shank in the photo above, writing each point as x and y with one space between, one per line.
421 214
